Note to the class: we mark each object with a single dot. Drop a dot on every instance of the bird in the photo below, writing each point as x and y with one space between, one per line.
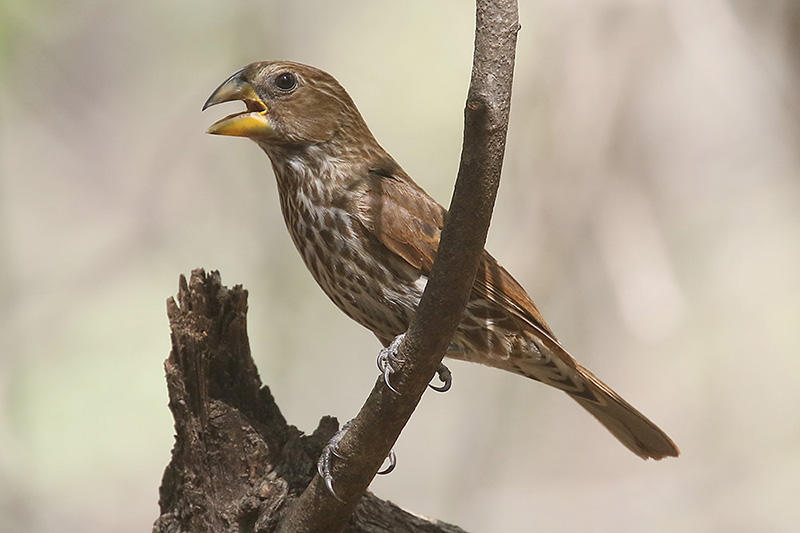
368 234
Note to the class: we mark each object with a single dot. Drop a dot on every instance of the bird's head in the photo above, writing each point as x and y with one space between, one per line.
288 104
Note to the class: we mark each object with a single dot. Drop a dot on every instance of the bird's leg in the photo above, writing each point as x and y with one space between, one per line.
387 361
325 461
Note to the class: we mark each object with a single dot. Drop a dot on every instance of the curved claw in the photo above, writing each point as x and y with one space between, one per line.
445 376
392 464
329 486
386 373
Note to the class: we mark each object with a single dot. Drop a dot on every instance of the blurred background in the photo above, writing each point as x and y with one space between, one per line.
650 204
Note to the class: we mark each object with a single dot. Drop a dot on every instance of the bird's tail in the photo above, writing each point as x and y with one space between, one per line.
553 365
626 423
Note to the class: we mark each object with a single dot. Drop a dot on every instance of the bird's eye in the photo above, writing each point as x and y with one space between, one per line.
285 81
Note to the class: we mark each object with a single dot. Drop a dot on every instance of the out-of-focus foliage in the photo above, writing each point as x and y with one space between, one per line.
651 204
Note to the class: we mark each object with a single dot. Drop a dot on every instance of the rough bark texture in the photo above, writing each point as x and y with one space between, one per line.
236 463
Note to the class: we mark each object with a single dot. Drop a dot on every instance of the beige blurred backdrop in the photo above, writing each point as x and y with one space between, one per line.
650 204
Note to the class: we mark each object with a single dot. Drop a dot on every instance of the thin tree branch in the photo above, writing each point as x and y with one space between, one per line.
379 423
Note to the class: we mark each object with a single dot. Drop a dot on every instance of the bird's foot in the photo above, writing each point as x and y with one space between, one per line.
325 461
445 376
388 360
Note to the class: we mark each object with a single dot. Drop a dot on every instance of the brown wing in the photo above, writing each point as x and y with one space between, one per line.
409 223
402 216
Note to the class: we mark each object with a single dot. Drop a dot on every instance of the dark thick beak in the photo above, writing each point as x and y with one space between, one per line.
250 123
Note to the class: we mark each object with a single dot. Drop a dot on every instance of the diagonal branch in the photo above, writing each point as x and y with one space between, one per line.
384 414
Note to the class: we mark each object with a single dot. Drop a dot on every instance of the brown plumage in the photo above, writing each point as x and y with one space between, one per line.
369 234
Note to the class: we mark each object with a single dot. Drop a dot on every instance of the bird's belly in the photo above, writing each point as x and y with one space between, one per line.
368 293
372 288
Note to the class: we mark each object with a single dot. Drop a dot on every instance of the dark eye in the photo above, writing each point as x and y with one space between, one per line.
285 81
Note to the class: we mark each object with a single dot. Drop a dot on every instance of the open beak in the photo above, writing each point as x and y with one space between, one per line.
250 123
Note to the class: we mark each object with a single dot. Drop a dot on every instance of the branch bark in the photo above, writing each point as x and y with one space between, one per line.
236 463
378 425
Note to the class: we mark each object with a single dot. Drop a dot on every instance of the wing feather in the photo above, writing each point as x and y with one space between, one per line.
409 223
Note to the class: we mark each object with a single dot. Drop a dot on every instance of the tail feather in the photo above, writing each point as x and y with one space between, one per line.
626 423
549 363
